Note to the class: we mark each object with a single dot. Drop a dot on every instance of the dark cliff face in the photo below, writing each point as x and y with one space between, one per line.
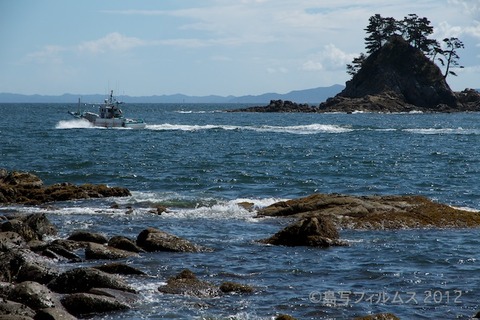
404 70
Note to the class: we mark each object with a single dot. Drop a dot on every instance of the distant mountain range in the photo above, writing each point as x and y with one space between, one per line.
311 96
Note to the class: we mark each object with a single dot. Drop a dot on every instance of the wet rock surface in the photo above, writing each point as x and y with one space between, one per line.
152 239
26 188
375 212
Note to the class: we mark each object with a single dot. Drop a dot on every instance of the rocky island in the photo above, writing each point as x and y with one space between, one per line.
397 76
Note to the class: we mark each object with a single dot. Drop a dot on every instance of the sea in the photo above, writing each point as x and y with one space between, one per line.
202 163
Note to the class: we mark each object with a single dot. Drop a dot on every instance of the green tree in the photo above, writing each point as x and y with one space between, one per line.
356 64
416 30
450 54
379 30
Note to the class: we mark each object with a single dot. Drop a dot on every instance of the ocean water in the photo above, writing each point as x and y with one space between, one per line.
200 162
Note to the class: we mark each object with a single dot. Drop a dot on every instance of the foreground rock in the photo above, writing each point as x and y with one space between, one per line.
312 232
31 285
26 188
375 212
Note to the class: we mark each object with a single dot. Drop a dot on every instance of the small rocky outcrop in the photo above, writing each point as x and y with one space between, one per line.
152 239
26 188
279 106
312 232
375 212
379 316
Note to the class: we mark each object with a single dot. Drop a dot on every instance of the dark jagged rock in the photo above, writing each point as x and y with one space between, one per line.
375 212
121 296
228 286
84 279
53 314
313 232
469 98
15 309
26 188
83 304
30 227
96 251
56 251
119 268
24 265
152 239
10 240
34 295
124 243
87 236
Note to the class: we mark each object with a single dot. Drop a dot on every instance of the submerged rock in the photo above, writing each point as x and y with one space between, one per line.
375 212
186 283
312 232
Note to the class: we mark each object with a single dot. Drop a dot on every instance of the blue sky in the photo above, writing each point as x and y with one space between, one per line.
203 47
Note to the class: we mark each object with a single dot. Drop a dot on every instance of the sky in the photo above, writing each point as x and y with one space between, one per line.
206 47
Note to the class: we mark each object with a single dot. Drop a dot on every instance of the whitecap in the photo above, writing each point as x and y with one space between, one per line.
73 124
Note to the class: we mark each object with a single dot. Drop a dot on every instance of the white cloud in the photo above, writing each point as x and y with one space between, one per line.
111 42
48 55
471 7
329 58
311 65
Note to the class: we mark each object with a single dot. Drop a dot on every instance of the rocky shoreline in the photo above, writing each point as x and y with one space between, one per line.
385 102
32 285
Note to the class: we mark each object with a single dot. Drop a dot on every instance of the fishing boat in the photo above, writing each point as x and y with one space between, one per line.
109 115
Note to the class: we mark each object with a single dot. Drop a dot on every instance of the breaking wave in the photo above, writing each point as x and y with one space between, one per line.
300 129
